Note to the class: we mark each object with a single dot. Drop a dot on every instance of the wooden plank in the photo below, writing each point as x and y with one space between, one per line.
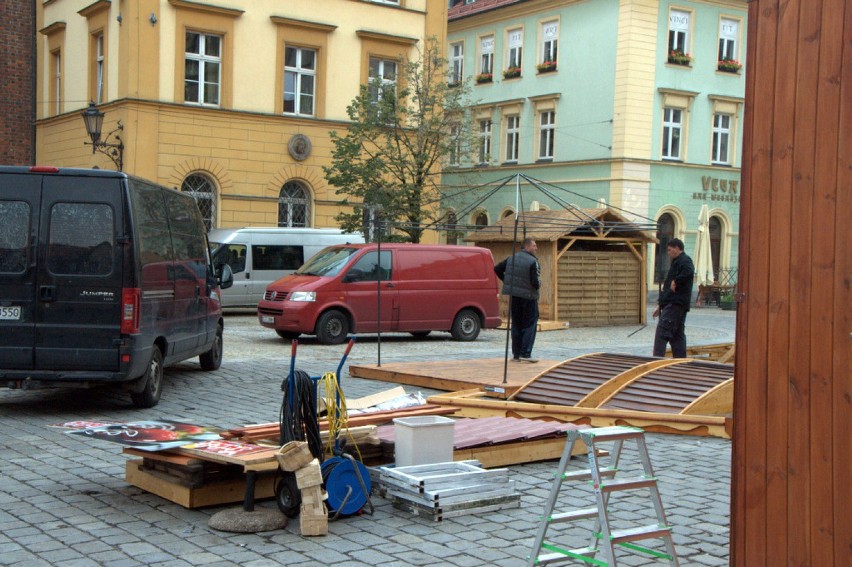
453 375
213 494
506 454
164 456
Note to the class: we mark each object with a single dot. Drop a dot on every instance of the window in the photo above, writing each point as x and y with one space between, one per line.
293 205
56 76
14 236
485 141
547 134
486 55
728 35
273 257
456 63
480 219
300 67
679 31
665 232
232 254
455 144
201 188
672 125
99 68
81 239
515 41
202 68
721 138
452 225
513 130
370 269
550 41
385 71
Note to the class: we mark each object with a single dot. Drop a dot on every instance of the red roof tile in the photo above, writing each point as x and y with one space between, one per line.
462 10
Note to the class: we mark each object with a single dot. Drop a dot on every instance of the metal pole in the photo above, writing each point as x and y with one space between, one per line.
378 288
509 314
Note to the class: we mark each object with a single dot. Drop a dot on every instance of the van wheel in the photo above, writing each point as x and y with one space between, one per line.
466 326
212 359
332 328
289 335
150 394
420 334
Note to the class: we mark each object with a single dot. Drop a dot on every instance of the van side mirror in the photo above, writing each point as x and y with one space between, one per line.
225 276
353 275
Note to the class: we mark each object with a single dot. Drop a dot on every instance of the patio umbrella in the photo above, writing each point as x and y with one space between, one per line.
703 256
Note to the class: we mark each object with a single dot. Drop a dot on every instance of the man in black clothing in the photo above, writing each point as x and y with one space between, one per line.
521 276
673 303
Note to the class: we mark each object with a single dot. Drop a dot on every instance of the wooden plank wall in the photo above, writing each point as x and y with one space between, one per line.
599 288
792 460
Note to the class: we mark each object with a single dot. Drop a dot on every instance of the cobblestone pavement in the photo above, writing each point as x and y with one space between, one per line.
64 501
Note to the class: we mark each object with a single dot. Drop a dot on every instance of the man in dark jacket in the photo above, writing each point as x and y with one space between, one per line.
521 276
674 300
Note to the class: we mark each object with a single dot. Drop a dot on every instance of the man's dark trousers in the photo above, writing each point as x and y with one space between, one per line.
524 324
670 329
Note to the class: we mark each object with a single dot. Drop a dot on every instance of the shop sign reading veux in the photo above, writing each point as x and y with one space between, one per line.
716 189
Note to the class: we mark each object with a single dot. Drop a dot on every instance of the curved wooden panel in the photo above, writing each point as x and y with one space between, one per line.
670 389
571 381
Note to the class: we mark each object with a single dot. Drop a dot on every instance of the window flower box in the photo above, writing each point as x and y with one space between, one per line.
484 78
729 66
678 57
546 67
512 73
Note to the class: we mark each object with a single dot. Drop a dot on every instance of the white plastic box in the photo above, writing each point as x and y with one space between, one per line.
423 440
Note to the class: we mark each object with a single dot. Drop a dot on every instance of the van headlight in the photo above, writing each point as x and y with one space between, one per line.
303 296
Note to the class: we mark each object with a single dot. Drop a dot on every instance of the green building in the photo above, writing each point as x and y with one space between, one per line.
638 103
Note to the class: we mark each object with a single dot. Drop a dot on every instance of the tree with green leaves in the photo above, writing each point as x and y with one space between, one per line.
405 126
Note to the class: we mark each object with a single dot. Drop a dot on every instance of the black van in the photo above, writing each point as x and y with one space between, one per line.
104 278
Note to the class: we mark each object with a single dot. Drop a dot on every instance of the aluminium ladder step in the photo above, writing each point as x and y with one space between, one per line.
614 433
574 515
628 484
640 532
587 475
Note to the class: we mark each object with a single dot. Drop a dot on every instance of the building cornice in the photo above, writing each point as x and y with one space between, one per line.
304 24
207 8
95 8
403 40
52 28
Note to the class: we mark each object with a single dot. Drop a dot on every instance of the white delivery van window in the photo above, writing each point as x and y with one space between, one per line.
368 269
273 257
232 254
81 239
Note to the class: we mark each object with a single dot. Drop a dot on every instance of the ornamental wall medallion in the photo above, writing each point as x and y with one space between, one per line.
299 147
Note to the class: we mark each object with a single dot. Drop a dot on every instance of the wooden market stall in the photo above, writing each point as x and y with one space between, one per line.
592 263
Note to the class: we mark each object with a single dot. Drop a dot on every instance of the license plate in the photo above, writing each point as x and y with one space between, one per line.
267 319
10 313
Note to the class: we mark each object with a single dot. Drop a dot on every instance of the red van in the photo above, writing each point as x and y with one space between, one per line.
413 288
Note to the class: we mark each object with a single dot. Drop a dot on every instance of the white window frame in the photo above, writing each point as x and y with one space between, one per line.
485 130
672 132
513 135
549 41
679 22
300 75
729 32
455 145
486 54
456 62
203 60
547 134
515 48
99 68
385 82
721 152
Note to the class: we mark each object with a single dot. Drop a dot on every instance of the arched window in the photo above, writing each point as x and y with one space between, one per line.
665 232
508 213
202 189
452 223
294 205
715 244
480 220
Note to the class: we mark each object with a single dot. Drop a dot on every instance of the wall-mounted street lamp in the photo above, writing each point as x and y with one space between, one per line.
94 120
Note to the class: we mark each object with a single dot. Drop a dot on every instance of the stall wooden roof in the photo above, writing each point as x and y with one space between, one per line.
553 225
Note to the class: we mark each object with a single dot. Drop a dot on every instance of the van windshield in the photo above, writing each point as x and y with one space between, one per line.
327 262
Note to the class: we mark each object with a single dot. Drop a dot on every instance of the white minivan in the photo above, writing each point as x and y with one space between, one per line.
260 255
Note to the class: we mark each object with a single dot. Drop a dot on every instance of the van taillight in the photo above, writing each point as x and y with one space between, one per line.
44 169
131 300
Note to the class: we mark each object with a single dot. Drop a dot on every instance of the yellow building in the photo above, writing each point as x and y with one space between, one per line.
232 100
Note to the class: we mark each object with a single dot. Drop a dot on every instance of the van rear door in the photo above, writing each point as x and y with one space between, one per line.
79 273
20 203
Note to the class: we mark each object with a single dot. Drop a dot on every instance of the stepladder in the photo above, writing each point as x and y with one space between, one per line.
614 493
